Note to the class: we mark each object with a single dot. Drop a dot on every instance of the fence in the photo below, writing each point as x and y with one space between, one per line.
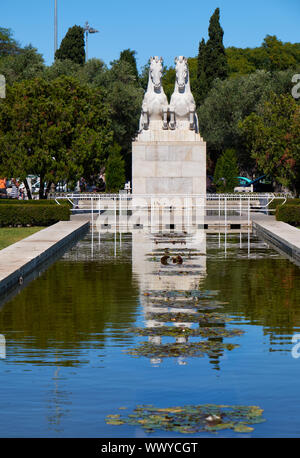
170 211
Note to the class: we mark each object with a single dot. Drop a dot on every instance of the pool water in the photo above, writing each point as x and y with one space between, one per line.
76 350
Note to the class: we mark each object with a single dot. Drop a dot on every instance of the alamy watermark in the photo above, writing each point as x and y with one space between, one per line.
296 88
296 348
2 347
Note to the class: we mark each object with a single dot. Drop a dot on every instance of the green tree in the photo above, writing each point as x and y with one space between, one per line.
226 171
230 102
57 130
168 81
216 62
201 88
72 46
27 64
8 45
115 170
211 60
272 55
273 136
129 56
124 96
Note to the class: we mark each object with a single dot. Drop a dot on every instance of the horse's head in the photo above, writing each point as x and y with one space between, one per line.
156 68
181 68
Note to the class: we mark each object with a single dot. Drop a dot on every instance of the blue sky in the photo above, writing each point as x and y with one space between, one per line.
166 28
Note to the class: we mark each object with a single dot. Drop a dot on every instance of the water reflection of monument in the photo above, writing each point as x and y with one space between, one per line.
168 262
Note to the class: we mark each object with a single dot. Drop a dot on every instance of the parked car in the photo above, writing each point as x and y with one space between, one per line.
260 184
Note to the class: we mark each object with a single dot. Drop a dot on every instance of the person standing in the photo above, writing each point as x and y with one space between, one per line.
3 192
14 189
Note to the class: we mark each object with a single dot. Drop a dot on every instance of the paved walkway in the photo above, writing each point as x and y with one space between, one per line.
21 258
282 235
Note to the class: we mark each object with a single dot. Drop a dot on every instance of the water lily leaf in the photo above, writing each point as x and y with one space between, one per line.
241 428
191 418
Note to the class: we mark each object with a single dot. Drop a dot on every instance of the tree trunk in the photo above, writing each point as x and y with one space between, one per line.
27 189
48 189
41 191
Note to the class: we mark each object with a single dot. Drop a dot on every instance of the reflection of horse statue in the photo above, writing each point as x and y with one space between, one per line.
182 104
155 103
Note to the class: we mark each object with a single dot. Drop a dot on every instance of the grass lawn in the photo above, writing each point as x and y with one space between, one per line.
10 235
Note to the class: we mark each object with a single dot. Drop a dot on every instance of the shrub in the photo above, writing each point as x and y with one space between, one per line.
289 213
115 171
226 171
33 215
28 202
278 202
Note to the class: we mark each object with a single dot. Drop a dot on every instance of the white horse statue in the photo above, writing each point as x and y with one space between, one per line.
155 102
182 104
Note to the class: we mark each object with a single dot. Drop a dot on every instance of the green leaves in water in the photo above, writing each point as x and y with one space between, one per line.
199 349
172 331
181 293
166 317
203 305
192 419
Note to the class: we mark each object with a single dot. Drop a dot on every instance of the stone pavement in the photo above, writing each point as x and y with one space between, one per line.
281 235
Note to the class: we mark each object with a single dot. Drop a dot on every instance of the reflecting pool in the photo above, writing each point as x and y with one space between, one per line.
124 321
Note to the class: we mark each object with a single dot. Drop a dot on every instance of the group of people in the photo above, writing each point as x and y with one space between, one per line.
17 192
96 183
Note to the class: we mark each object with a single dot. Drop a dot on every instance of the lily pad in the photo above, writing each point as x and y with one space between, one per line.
175 350
191 419
187 317
186 332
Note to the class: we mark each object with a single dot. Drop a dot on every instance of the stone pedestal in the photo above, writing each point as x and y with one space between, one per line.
168 162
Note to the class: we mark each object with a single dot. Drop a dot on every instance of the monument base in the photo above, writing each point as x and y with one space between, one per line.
169 166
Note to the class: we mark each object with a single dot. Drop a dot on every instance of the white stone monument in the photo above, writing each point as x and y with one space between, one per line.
168 155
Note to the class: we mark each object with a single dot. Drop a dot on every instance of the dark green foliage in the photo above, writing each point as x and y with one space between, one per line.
273 139
289 213
278 202
115 170
216 62
124 96
33 215
8 45
230 102
27 64
129 56
273 55
201 82
168 81
28 202
57 130
72 46
226 172
212 60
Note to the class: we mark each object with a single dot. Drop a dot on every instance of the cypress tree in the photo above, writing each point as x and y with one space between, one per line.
216 61
72 46
212 60
201 90
129 56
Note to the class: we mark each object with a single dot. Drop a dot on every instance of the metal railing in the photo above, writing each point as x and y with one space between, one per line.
181 210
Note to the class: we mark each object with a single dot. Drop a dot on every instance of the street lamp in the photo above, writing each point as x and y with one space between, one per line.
88 30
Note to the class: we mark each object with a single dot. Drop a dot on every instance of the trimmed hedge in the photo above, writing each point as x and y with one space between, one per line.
33 215
289 213
27 202
276 202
